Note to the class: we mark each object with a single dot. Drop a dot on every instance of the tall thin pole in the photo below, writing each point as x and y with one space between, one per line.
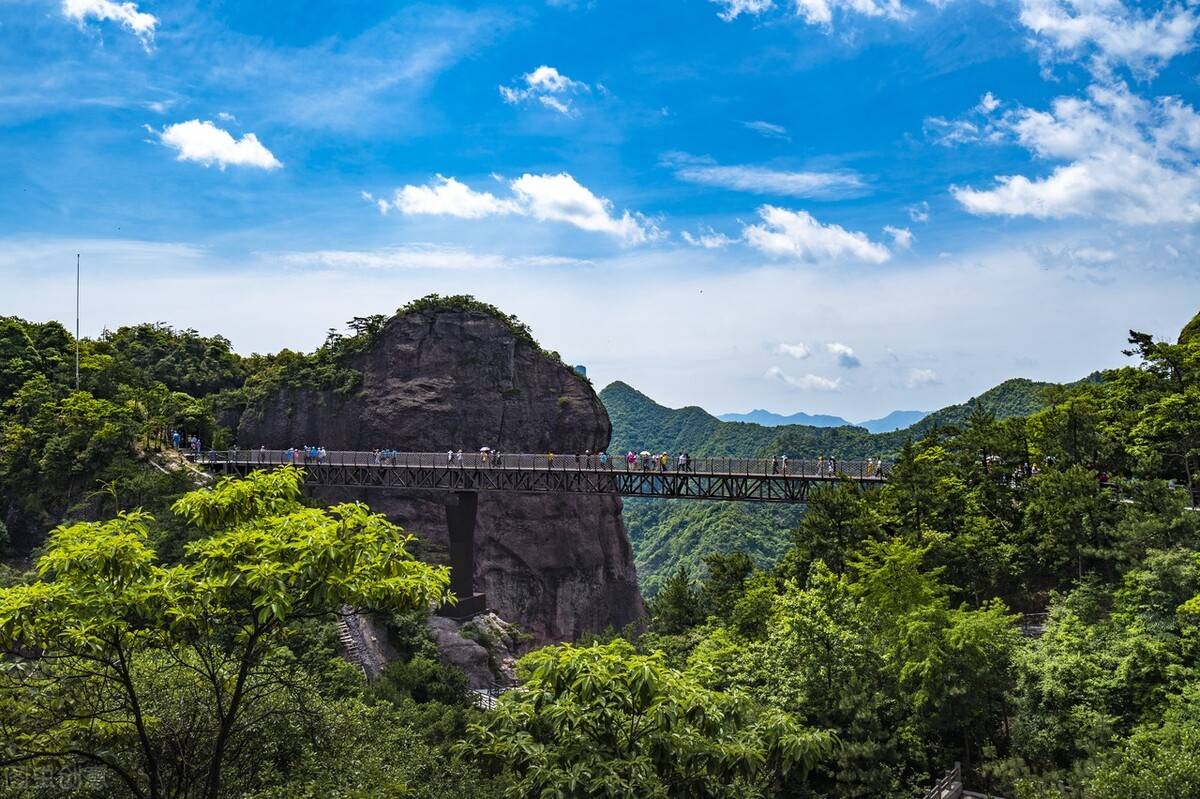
76 321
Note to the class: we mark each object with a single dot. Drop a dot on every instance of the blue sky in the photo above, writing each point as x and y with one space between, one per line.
842 206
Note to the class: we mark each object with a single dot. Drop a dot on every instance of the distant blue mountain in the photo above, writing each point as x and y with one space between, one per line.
896 420
768 419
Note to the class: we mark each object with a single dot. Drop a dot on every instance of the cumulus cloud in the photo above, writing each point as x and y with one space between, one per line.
815 12
798 351
546 198
845 355
139 23
548 87
902 237
1111 32
561 198
448 197
1121 157
205 143
768 129
915 378
763 180
808 382
797 234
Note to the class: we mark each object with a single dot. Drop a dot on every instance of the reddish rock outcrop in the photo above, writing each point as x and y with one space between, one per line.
558 566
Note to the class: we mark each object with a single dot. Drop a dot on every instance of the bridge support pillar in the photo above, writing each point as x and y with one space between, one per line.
460 520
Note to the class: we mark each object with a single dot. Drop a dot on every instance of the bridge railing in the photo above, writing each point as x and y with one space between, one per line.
790 467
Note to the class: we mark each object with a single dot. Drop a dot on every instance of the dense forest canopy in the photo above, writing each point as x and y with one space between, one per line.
1022 597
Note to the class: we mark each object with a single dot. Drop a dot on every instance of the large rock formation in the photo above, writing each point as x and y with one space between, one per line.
559 566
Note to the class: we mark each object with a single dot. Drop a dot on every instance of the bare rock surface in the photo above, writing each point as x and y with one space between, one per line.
557 566
485 648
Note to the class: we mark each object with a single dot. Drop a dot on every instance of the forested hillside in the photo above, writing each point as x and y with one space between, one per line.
667 535
1022 597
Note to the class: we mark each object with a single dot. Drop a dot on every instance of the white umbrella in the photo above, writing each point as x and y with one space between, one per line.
645 454
485 449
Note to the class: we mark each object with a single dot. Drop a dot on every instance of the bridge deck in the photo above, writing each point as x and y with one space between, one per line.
732 479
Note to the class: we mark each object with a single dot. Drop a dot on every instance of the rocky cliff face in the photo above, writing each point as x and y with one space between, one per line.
559 566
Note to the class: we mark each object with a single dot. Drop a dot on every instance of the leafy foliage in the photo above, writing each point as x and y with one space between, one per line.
603 721
164 676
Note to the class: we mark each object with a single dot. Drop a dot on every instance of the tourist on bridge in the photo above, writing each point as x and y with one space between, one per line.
630 460
449 457
663 460
783 463
603 457
458 458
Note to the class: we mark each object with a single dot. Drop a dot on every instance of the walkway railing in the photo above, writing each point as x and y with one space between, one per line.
827 468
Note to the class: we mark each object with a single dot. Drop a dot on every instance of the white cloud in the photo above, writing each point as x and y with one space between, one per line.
845 355
448 197
547 86
1111 32
764 180
1128 159
902 237
920 377
977 125
205 143
988 103
708 238
561 198
808 382
798 351
796 234
918 212
225 116
732 9
1093 255
546 198
139 23
816 12
768 129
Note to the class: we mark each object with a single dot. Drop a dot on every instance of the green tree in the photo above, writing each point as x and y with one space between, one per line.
838 520
161 675
603 721
677 607
722 587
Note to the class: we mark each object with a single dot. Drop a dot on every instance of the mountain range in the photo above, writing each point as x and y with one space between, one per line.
667 535
896 420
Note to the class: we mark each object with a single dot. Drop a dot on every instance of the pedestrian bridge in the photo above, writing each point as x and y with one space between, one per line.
461 478
732 479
